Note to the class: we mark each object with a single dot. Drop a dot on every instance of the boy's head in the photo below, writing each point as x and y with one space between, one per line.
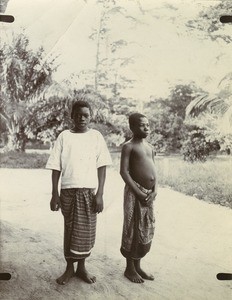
139 125
81 115
135 118
80 103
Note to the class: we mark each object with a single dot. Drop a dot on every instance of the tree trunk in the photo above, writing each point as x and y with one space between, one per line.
16 142
97 63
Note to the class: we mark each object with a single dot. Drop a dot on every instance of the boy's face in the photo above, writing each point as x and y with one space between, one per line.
81 118
141 128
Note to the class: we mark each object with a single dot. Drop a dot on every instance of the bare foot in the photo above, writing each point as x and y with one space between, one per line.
144 275
133 276
63 279
85 275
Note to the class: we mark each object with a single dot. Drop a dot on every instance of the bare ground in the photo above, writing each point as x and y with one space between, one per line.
192 244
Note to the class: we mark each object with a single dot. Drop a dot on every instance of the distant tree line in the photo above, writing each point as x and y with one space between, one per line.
35 107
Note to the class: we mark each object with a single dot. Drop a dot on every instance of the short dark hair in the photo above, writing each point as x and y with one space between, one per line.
134 118
80 103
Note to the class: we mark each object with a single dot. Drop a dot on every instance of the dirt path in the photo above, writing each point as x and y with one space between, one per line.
192 244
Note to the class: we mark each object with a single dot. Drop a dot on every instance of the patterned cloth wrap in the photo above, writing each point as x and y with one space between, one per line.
138 225
79 222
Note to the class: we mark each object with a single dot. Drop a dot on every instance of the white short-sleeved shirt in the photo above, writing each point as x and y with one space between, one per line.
78 156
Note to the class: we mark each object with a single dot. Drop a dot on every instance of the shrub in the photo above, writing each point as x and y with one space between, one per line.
195 148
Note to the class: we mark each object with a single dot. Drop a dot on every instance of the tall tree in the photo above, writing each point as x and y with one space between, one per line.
100 35
180 97
109 62
166 125
213 111
208 21
24 76
167 117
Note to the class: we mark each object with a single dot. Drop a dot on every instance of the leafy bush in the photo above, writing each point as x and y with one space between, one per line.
195 148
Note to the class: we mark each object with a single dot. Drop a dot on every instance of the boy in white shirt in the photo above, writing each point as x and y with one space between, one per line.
80 156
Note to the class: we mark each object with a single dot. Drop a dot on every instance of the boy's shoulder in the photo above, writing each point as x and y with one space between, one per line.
90 131
149 144
63 133
131 144
95 131
128 145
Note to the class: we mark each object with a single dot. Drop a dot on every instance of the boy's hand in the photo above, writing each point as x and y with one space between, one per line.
55 202
150 198
142 196
98 207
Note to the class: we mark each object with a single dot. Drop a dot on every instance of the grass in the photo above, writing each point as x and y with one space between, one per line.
209 181
23 160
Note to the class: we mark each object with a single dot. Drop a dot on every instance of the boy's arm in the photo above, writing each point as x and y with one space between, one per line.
125 171
101 173
155 187
151 197
55 201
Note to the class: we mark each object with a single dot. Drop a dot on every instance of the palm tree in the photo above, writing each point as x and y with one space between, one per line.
24 75
218 105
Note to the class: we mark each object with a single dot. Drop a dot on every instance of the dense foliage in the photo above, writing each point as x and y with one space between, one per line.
208 21
196 147
188 121
24 76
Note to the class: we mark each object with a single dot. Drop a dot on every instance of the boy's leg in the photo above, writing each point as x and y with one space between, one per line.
131 272
143 274
69 272
82 273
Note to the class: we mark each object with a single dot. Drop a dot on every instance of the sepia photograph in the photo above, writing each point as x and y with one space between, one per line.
115 149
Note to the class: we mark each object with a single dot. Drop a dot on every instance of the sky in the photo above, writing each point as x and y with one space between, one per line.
165 53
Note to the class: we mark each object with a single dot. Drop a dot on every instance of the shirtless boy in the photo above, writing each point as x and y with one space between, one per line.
79 157
138 172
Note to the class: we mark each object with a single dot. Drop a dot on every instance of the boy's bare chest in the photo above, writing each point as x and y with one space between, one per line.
141 152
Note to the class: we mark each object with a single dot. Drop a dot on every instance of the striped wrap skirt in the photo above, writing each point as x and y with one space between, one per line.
79 222
138 225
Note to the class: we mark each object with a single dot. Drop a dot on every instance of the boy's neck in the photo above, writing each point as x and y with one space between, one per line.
78 130
138 139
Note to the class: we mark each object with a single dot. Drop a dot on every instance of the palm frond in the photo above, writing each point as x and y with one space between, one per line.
226 82
206 102
225 125
56 90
